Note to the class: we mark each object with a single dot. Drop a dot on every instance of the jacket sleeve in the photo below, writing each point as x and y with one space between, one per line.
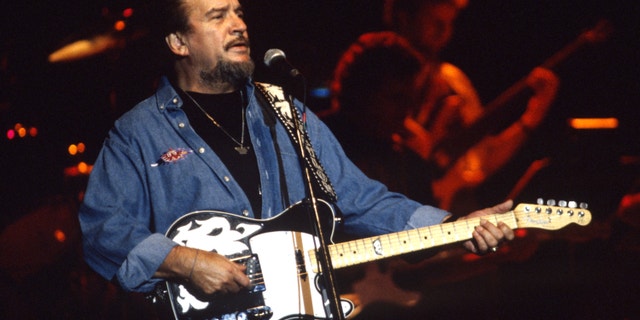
369 208
115 220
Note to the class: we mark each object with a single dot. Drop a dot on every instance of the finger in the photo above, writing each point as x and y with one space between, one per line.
493 232
506 231
499 208
502 207
478 236
412 125
241 277
489 233
469 245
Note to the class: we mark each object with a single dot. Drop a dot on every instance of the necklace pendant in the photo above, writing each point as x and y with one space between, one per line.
242 150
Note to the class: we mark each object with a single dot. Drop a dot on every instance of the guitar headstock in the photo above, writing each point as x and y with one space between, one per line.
551 215
598 33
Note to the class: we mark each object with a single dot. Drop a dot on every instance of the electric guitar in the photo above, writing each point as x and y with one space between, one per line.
280 255
450 146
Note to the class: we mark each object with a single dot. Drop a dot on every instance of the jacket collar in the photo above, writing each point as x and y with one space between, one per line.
167 97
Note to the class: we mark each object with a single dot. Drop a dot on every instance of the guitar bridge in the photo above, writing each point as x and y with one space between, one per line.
253 271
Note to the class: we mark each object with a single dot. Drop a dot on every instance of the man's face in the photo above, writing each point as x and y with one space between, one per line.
434 26
218 41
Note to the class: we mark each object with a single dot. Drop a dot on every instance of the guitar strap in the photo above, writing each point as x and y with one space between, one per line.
292 122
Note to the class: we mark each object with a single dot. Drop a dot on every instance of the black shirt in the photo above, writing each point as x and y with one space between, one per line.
227 110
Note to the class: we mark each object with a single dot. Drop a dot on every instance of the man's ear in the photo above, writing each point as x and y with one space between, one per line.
176 44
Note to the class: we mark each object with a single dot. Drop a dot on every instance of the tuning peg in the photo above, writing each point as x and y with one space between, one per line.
562 203
573 204
540 201
584 205
551 202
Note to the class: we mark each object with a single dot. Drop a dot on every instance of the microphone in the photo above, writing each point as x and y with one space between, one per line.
277 60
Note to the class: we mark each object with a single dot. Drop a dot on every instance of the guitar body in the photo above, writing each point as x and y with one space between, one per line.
280 255
284 284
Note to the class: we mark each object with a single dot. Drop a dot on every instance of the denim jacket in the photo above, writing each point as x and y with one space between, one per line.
153 168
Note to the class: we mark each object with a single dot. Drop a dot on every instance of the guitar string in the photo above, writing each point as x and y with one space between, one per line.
258 278
401 243
396 243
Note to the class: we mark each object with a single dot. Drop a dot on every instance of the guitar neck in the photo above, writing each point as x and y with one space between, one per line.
384 246
375 248
456 144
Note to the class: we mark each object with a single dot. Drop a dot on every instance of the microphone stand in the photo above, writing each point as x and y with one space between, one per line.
324 258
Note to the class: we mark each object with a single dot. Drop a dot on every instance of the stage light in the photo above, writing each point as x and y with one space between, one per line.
60 235
593 123
73 149
83 168
119 25
128 12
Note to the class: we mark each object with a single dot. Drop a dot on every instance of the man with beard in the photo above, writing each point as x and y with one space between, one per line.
203 141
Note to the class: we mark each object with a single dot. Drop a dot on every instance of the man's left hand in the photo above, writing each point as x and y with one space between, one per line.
487 236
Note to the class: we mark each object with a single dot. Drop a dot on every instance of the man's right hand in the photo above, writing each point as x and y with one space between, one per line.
214 273
209 272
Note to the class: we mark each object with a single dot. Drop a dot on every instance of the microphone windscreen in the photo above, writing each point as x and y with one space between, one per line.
273 54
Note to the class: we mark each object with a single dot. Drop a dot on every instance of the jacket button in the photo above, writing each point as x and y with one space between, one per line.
175 101
201 150
181 124
245 212
227 179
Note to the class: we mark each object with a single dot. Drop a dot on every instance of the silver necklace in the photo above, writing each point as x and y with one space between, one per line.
241 148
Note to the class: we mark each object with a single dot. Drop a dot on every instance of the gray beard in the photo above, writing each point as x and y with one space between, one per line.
228 72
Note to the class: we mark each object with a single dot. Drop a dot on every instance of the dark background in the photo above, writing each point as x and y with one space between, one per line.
496 42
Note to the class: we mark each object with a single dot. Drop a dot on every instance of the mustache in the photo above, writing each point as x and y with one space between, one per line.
239 41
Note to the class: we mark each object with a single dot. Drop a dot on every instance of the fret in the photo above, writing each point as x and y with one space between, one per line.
443 234
431 237
398 245
352 251
363 251
455 231
387 246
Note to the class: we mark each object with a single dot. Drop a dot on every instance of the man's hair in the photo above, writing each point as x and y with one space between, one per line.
171 16
392 8
165 17
368 64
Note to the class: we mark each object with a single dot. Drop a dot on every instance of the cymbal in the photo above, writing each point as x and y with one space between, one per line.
85 48
115 31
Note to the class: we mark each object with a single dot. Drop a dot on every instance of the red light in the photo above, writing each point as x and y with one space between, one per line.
119 25
11 134
520 233
128 12
59 235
